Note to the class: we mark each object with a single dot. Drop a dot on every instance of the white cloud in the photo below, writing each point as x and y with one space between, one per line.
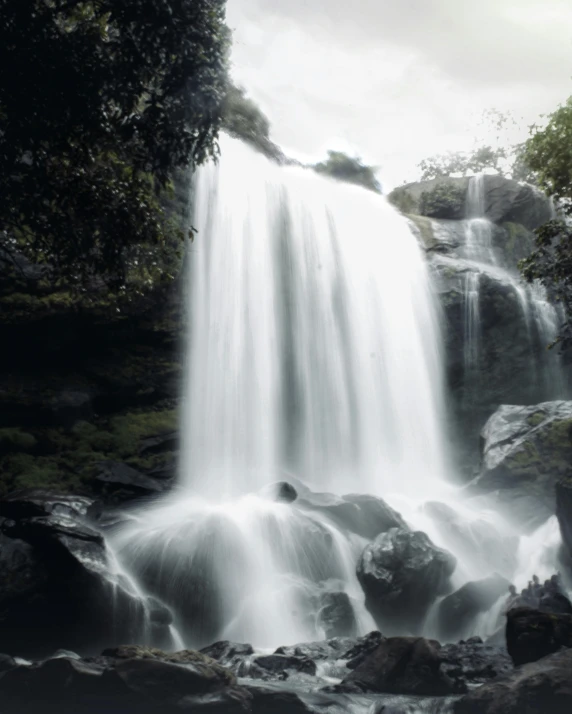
398 80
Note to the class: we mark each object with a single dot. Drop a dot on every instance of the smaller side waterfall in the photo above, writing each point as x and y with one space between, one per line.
541 318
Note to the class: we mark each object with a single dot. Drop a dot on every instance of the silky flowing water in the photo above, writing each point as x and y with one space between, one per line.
314 353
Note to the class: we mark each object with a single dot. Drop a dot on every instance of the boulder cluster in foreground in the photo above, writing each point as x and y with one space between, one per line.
533 675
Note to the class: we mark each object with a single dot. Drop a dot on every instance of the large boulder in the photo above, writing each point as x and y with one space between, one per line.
402 573
125 680
505 200
402 665
543 687
531 634
458 610
367 516
57 588
526 450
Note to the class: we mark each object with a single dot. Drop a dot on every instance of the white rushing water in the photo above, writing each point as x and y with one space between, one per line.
314 350
539 314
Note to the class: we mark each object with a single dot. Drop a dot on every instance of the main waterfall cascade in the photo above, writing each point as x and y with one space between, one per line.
314 357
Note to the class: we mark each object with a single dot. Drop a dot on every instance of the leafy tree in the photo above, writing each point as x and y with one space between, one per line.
101 101
345 168
501 157
548 152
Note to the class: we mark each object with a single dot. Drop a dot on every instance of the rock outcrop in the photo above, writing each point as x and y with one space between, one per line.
505 200
531 634
58 587
526 450
401 573
544 686
402 665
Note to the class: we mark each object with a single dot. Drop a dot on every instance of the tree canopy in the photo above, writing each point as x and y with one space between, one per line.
101 101
340 166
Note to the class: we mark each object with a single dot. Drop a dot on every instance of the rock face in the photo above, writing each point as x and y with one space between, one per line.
57 588
505 200
402 665
540 687
531 634
457 610
401 573
526 450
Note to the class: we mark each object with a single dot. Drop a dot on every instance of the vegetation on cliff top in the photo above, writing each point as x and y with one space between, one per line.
548 152
101 101
340 166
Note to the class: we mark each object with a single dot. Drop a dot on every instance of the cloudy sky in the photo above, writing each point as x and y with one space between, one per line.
397 80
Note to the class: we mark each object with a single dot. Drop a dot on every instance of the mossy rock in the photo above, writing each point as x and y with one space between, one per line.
68 459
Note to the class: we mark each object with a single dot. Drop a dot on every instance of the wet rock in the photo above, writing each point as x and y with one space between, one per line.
457 610
531 634
281 491
505 200
34 503
56 588
364 646
401 573
53 685
526 450
542 687
278 664
337 615
472 663
367 516
332 649
169 681
233 655
403 665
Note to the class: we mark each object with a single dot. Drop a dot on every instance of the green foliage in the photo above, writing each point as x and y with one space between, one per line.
506 159
548 152
100 103
14 439
551 264
345 168
444 201
66 459
242 117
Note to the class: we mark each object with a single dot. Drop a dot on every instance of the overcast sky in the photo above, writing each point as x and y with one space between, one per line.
398 80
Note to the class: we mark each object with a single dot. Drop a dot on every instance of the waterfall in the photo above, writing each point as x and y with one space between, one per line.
540 316
313 357
314 351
